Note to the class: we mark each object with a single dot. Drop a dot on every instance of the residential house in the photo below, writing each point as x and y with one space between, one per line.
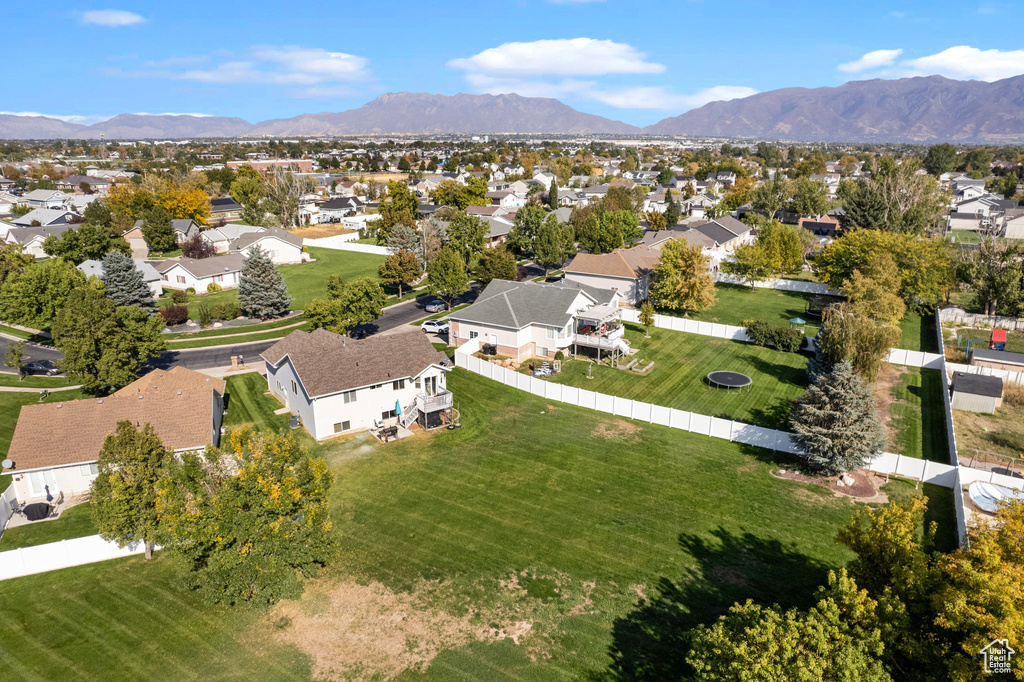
31 238
182 273
505 199
8 202
521 320
1013 223
997 359
627 271
337 385
224 208
825 228
498 228
221 237
333 210
150 276
44 217
282 247
55 446
45 198
185 229
73 183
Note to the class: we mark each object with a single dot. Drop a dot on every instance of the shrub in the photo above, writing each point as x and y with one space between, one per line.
225 311
787 339
179 297
559 355
191 291
174 315
197 247
213 288
760 332
204 314
305 249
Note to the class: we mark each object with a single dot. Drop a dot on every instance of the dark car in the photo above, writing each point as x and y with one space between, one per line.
42 367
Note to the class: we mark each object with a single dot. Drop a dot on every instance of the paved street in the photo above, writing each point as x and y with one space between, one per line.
220 356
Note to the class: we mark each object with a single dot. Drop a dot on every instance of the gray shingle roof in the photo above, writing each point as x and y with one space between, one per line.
515 305
45 216
202 267
252 237
998 356
327 363
977 384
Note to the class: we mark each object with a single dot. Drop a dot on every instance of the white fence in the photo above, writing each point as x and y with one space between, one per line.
6 499
780 284
1006 375
342 242
961 318
913 358
16 563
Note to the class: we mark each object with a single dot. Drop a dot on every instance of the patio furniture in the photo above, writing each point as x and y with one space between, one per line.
729 380
37 511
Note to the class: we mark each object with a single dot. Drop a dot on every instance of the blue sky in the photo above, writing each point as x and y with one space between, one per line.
631 61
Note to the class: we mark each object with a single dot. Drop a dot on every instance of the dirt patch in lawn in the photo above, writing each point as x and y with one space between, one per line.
888 377
617 430
320 231
866 486
364 632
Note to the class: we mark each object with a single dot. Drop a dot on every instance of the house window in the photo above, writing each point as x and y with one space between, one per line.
473 335
218 278
180 279
550 332
543 352
388 414
418 384
280 388
342 426
349 397
88 469
295 389
398 385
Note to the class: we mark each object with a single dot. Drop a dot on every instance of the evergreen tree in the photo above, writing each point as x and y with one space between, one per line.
124 282
865 210
261 290
553 194
836 423
157 229
672 211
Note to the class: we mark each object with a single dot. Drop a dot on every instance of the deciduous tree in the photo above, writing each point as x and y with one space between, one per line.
682 280
34 297
84 242
15 356
158 230
399 269
447 276
496 263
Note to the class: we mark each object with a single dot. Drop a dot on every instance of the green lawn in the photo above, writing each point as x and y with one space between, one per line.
967 236
19 333
35 381
682 361
248 407
735 304
1014 340
552 515
75 522
237 338
305 281
919 333
241 329
918 416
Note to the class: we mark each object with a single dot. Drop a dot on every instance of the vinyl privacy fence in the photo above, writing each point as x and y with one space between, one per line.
343 242
781 284
16 563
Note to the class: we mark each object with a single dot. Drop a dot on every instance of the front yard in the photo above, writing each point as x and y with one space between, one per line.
538 541
681 363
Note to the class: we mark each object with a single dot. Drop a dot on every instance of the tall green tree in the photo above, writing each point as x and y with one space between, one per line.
864 210
158 230
261 289
104 346
15 356
13 260
34 297
525 229
84 242
468 234
682 279
836 422
496 263
941 158
250 532
249 192
810 197
124 283
360 301
548 249
399 269
553 194
447 276
772 196
124 494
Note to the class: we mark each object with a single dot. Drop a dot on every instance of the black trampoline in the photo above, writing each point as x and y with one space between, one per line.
729 380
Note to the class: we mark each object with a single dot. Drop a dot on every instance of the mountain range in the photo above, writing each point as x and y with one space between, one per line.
923 110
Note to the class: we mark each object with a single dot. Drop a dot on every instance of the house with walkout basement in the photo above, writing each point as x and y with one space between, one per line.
55 446
337 385
627 271
200 273
522 320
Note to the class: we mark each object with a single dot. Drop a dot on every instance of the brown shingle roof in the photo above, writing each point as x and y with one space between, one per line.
328 363
178 403
628 263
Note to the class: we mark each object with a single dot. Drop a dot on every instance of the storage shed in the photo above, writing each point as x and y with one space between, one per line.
977 392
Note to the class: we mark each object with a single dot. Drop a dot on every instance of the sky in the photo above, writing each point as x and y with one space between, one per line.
631 61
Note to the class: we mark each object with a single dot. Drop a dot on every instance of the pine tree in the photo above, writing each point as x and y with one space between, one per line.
553 194
125 284
261 290
158 230
865 210
836 423
672 211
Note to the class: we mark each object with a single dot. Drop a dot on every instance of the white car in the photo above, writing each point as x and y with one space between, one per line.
434 327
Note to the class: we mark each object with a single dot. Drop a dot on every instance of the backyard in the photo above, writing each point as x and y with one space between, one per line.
537 541
978 436
682 361
911 406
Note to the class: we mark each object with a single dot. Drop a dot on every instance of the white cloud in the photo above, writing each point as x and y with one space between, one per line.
111 17
308 71
563 57
871 60
964 62
961 62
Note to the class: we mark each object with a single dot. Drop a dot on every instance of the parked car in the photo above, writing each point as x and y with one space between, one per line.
42 367
436 306
434 327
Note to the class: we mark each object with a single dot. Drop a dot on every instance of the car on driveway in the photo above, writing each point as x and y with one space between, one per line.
436 306
42 367
434 327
